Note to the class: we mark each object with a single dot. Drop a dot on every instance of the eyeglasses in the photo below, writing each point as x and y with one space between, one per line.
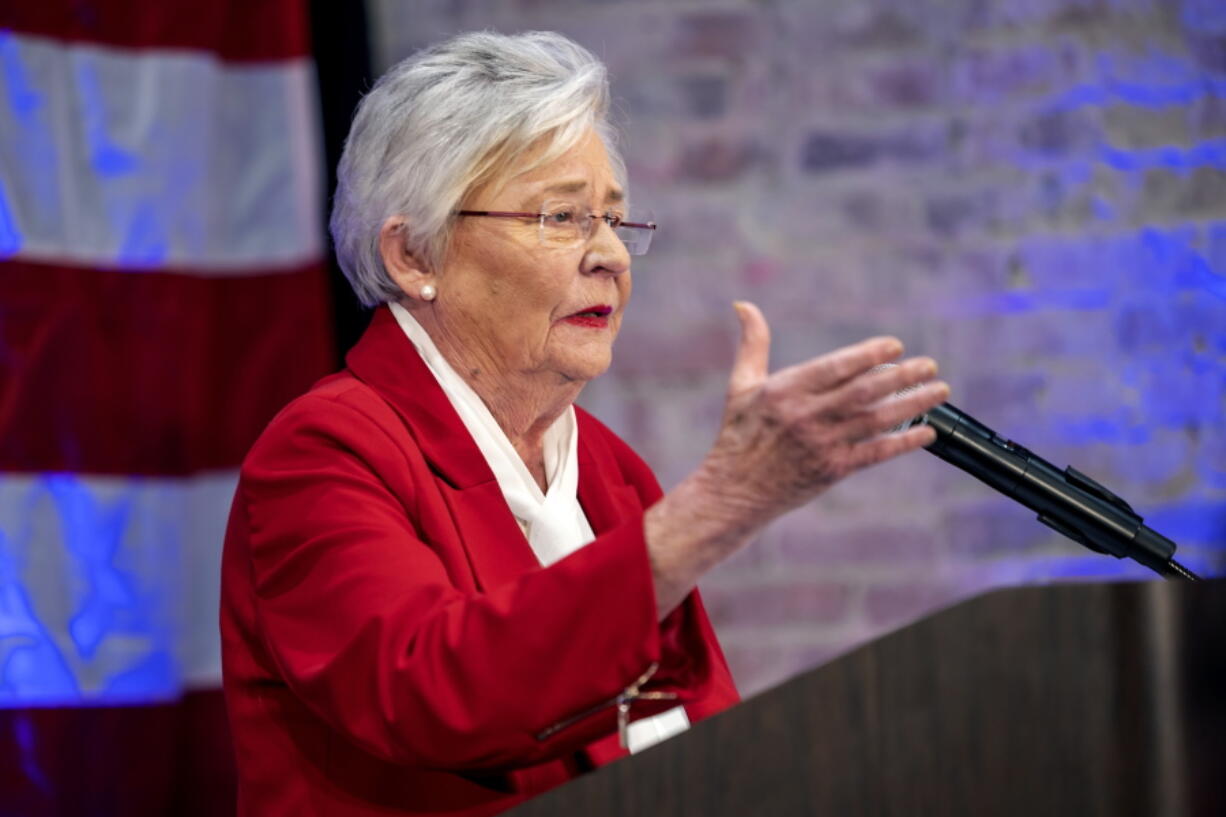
566 224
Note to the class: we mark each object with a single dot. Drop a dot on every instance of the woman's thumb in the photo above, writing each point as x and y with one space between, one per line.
750 367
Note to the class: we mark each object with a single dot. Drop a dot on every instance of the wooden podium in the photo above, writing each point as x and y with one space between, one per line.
1105 699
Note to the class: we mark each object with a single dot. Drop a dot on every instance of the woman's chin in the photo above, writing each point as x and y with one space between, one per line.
580 365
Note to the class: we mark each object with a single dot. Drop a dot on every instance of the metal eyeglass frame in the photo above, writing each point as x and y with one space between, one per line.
612 219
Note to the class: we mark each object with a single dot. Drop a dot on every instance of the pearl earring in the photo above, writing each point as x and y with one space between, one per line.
428 292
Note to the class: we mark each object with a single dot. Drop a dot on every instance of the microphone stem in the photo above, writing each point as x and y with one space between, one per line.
1177 571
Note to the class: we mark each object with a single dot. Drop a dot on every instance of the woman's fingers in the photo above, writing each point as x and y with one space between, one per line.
750 368
851 398
831 370
882 448
893 411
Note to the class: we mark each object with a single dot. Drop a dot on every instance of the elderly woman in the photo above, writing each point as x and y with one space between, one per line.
445 587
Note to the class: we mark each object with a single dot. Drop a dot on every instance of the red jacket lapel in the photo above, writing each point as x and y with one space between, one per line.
385 360
603 493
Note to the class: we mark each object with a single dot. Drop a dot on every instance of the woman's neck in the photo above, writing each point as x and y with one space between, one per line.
524 404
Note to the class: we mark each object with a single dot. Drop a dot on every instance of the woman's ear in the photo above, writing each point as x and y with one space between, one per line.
409 273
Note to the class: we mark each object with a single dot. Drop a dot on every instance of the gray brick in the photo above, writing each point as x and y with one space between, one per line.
715 159
724 33
1169 194
706 96
994 528
893 605
1210 54
1134 126
1058 133
825 151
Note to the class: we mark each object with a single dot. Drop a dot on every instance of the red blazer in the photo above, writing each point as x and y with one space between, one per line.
391 644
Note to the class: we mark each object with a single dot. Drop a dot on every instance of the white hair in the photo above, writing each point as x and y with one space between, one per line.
447 120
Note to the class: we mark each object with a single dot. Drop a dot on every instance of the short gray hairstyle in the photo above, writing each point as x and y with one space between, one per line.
447 120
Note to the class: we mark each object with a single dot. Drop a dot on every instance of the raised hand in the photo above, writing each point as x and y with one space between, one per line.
785 438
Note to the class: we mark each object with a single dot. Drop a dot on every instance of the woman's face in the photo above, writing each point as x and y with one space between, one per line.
524 308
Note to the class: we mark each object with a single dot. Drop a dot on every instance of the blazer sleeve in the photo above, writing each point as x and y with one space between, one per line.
363 623
690 655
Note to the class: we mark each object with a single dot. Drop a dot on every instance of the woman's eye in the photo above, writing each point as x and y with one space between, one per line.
562 216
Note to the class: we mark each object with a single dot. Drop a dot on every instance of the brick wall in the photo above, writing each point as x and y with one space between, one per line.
1033 192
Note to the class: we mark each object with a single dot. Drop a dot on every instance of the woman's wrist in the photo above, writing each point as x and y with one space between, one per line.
691 529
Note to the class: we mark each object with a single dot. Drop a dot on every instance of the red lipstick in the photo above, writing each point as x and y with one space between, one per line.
594 317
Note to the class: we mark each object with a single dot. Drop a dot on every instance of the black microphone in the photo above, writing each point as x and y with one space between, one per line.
1067 501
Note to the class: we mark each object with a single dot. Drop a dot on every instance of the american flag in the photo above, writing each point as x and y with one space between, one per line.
162 294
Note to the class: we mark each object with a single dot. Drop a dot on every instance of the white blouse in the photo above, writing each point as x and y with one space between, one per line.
553 522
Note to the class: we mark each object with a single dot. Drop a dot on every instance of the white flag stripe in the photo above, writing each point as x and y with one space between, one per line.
158 159
109 586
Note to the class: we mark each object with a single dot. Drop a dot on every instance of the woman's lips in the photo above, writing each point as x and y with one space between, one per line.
594 317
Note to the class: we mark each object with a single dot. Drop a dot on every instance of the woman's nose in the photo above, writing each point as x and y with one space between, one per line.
605 251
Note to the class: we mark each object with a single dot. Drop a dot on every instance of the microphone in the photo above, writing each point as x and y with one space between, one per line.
1067 501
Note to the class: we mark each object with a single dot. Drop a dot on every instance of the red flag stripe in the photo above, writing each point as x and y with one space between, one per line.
135 761
110 372
247 31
